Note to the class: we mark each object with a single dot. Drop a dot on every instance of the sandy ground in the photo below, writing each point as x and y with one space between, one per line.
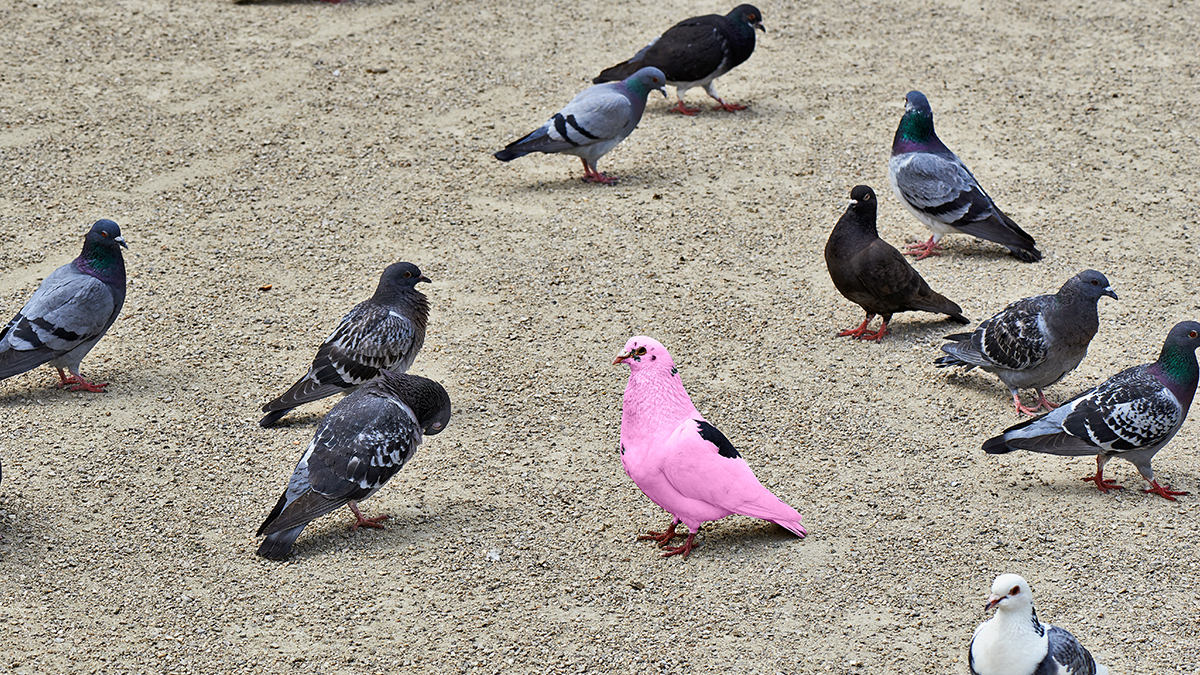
244 145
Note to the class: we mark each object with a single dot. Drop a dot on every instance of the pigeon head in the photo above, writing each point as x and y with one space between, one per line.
748 14
427 399
643 353
915 132
862 199
645 80
101 255
1177 361
1009 592
402 275
1090 284
105 233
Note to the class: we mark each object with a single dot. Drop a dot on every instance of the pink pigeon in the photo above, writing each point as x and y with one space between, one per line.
679 460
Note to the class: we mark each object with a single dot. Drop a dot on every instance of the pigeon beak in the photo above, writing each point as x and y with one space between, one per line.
758 25
425 279
121 241
993 600
663 90
621 358
1111 293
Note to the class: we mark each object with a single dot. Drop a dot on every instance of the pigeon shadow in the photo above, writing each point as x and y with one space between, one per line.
727 539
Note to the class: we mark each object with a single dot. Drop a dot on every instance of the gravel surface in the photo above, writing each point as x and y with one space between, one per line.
305 146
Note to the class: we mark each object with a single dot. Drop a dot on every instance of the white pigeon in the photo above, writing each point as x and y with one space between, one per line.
1014 642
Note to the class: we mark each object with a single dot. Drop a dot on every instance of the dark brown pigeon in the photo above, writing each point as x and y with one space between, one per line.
696 51
870 272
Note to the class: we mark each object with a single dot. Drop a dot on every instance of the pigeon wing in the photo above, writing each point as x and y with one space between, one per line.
369 339
690 51
66 311
1014 339
1070 657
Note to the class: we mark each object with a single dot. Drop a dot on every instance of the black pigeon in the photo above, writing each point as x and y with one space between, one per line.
1131 415
870 272
937 188
696 51
384 332
363 441
1034 342
69 313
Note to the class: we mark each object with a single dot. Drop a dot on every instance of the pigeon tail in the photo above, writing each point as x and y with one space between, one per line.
277 546
997 446
272 418
618 72
508 154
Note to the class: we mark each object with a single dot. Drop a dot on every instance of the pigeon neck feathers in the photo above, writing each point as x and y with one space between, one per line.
1176 367
915 132
655 403
427 399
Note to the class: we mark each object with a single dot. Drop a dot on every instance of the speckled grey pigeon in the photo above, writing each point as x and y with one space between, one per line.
69 313
384 332
363 441
1131 415
593 123
870 272
1034 342
1014 642
695 52
937 188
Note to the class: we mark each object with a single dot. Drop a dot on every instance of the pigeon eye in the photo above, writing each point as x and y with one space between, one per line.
1095 283
640 351
1015 591
104 234
1192 334
407 275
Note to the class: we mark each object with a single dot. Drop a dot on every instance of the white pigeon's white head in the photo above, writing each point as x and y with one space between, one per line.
1009 592
644 353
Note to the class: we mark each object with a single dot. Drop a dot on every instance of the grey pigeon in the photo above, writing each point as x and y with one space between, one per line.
870 272
69 313
1131 415
593 123
941 192
1014 642
363 441
1034 342
696 51
384 332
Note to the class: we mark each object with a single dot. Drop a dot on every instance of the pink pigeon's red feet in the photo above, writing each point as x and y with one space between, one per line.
76 383
728 107
1163 491
681 550
683 109
923 251
363 521
662 538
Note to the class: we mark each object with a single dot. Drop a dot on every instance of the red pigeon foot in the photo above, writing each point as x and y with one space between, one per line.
1163 491
1102 483
662 538
728 107
363 521
76 383
923 251
684 550
683 109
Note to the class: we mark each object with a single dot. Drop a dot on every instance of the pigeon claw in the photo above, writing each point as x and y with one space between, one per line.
76 383
923 251
684 550
362 521
683 109
1163 491
1105 484
1021 409
728 107
662 538
591 175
